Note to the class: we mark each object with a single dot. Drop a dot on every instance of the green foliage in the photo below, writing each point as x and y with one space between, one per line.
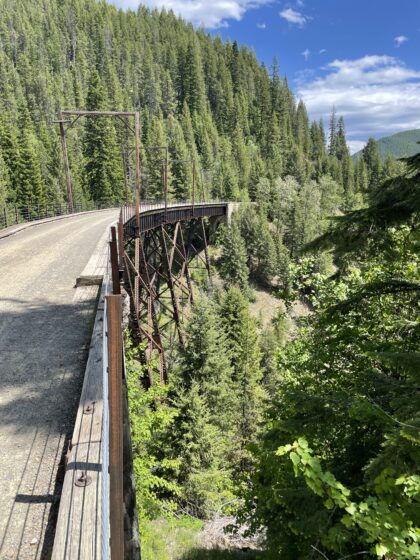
381 518
233 261
206 100
150 418
103 166
347 384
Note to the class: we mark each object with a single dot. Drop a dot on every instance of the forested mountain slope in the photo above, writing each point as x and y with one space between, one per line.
207 100
401 144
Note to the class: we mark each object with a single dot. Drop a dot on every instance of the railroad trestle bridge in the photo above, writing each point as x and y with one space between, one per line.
151 256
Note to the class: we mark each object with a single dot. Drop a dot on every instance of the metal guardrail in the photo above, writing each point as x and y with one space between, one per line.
14 214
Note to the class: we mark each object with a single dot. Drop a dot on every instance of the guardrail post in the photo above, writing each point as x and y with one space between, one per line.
5 217
115 427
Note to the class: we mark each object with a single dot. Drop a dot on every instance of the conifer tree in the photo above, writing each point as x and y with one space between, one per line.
30 188
332 138
181 166
155 159
245 356
204 360
103 163
4 182
372 160
233 261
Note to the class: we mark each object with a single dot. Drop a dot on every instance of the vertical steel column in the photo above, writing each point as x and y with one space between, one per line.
206 252
66 163
166 183
137 140
115 427
116 287
193 186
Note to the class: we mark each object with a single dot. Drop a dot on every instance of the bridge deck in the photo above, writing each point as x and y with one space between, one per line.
45 327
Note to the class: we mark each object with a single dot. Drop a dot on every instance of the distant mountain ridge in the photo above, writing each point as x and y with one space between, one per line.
401 144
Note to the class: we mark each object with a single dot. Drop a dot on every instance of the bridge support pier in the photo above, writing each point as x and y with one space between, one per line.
160 284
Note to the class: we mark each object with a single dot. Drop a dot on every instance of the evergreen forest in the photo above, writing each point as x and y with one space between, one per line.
292 411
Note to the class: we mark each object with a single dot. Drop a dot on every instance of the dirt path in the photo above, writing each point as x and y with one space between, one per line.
44 336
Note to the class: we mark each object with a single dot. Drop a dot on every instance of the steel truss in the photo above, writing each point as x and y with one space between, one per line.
158 267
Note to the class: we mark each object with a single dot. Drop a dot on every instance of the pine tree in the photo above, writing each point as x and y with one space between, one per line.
245 356
103 164
4 182
180 164
155 159
30 188
332 138
372 160
204 360
233 261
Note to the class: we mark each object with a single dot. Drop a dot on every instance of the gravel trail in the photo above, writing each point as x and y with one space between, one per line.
45 331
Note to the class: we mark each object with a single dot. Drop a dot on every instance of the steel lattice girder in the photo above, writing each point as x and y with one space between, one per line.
160 284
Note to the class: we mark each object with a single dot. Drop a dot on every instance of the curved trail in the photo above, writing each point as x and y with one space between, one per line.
44 336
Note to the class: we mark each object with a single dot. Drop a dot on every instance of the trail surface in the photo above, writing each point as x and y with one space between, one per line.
45 328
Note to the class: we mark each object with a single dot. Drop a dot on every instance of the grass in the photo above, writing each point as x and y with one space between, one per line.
169 539
179 539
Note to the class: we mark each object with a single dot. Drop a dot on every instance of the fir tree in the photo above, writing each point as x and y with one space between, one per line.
103 164
233 261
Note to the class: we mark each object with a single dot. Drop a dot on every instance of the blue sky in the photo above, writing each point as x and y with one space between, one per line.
360 55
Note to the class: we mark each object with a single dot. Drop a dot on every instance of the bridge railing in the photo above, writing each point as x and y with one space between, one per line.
14 214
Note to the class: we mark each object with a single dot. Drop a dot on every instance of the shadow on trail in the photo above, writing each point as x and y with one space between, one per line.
43 354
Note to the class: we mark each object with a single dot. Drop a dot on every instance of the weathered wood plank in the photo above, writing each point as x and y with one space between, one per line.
78 532
79 525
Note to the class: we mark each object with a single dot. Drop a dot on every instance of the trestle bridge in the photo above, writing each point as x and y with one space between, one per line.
141 267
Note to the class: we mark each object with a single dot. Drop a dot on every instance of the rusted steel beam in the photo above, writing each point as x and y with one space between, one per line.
137 140
116 287
170 280
66 164
99 113
115 427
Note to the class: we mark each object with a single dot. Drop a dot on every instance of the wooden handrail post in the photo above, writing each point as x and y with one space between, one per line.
116 511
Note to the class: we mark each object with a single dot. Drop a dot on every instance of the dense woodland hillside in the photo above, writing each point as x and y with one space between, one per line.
304 429
207 100
401 144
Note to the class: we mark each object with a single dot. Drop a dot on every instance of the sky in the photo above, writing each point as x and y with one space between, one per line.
361 56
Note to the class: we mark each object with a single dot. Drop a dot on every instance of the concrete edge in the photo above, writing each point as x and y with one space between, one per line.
13 230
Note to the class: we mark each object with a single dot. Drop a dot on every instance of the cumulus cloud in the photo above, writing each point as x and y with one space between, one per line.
306 53
377 95
199 12
261 25
398 41
294 17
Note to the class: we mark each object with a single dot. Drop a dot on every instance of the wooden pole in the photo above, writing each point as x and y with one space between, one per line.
116 512
137 139
66 164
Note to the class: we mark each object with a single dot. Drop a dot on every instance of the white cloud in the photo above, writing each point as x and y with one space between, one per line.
261 25
209 14
398 41
377 95
306 53
355 145
293 16
322 51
